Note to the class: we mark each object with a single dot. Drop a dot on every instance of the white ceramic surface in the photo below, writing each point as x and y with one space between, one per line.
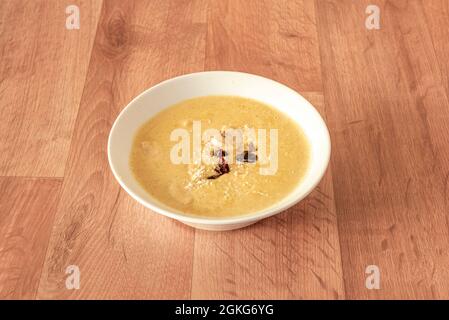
171 91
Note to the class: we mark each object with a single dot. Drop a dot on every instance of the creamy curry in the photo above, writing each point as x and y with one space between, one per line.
254 157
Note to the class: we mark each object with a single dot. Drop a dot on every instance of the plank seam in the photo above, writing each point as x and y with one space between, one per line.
330 164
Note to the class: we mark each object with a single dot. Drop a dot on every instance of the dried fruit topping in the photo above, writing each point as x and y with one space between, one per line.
247 156
222 166
220 153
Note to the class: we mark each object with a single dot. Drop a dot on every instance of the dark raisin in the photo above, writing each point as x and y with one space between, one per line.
221 168
224 168
247 156
220 153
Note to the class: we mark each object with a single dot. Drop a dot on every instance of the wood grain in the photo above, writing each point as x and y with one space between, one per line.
27 209
294 255
276 39
42 72
249 263
122 249
436 15
384 200
387 167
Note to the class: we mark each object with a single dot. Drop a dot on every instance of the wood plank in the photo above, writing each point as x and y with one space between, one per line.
42 72
295 254
383 92
276 39
437 16
387 111
27 209
122 249
292 255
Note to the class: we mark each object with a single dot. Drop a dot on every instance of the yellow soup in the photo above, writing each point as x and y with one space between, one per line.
219 156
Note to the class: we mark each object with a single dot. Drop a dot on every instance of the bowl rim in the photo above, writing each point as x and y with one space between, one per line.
240 219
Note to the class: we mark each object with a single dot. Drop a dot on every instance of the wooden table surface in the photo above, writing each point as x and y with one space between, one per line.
384 200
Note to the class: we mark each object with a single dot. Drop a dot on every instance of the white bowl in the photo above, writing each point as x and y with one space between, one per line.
169 92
